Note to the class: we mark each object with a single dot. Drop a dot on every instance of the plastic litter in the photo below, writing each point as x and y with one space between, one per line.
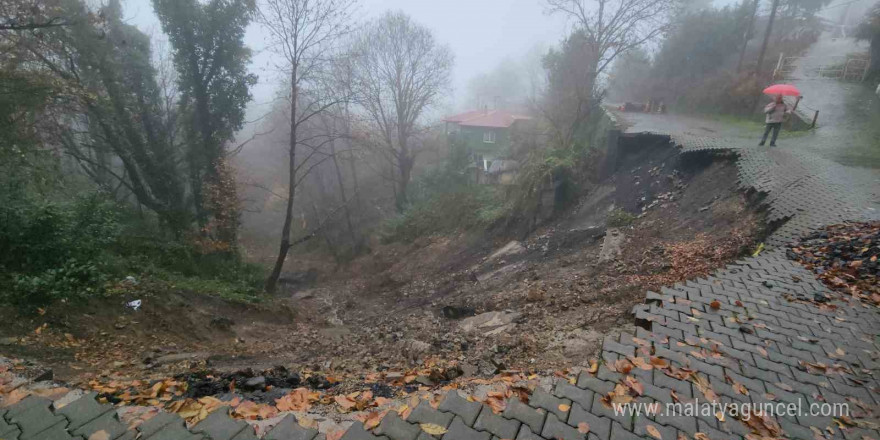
134 305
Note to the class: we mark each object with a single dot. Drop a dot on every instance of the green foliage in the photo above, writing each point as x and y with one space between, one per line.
211 61
445 200
464 208
76 249
81 102
619 218
55 250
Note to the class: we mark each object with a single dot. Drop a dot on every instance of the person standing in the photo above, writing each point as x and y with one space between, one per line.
775 112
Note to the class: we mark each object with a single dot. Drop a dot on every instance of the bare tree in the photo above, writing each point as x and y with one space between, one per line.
399 71
613 27
304 33
604 30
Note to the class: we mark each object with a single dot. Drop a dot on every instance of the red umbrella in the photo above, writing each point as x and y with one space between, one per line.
782 89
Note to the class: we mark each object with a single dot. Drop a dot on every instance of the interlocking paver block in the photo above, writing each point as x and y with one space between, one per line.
461 407
619 433
607 375
424 413
609 344
555 429
108 422
357 432
642 424
289 429
589 382
395 428
566 390
551 403
496 424
7 430
249 433
459 431
220 426
83 410
600 409
681 387
34 418
56 432
600 426
157 422
175 431
525 414
526 434
713 433
26 404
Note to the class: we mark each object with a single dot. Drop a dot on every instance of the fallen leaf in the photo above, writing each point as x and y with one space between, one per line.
563 407
715 305
635 385
784 386
100 435
622 366
659 362
433 429
335 434
653 432
583 428
701 436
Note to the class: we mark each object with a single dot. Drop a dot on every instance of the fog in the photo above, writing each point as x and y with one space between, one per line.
481 34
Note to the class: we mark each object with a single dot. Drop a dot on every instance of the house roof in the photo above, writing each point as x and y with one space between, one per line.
486 118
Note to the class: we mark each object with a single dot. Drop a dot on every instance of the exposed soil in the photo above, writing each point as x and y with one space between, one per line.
406 303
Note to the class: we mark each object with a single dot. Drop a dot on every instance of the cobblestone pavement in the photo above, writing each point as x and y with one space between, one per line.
753 333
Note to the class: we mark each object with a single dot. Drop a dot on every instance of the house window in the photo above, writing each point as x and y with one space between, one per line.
489 137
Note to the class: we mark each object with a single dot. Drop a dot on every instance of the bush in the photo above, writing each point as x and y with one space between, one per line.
72 250
55 250
466 207
619 218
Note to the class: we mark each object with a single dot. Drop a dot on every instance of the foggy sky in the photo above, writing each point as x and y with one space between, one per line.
481 33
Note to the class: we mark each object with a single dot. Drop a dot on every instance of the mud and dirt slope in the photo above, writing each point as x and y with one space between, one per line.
553 295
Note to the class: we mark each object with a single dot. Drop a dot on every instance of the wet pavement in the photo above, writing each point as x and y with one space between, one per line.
848 128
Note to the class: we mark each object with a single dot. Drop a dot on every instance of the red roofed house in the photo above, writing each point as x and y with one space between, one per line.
485 133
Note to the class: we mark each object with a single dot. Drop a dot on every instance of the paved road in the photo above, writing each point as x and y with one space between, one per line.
750 334
848 129
804 185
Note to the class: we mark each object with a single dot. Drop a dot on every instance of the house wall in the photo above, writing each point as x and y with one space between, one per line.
473 140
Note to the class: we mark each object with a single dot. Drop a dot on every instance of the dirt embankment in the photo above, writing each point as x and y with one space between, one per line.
554 295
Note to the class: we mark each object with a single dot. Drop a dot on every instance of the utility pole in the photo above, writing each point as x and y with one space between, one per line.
766 38
746 37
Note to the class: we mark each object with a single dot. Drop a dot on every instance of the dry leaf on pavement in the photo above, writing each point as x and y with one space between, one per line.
433 429
653 432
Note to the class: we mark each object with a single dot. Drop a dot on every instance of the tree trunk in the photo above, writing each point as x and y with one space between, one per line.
747 36
874 68
342 195
324 235
404 164
284 247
